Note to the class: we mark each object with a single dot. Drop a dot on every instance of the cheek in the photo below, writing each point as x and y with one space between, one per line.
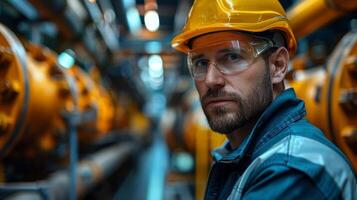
257 71
201 88
248 80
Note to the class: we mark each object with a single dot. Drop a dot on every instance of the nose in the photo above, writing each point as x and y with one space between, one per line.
214 78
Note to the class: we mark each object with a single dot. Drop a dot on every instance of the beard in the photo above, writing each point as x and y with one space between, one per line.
221 120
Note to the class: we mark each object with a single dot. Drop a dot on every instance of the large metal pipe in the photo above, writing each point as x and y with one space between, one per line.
309 15
90 171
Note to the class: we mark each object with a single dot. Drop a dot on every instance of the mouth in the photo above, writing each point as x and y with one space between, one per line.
218 101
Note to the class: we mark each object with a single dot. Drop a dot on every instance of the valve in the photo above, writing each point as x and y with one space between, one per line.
8 91
348 99
349 134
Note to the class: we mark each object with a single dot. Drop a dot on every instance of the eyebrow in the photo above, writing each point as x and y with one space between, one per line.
224 50
197 57
228 50
218 52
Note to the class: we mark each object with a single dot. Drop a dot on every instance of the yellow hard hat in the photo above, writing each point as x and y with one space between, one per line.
207 16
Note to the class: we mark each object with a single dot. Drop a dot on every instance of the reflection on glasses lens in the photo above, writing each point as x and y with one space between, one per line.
231 57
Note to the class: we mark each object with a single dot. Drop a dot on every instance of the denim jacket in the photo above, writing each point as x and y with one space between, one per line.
284 157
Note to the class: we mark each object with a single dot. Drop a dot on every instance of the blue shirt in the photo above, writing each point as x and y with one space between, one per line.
284 157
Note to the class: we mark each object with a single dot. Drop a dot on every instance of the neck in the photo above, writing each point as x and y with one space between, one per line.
237 137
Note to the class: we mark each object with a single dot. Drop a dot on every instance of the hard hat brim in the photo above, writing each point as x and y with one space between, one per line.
181 41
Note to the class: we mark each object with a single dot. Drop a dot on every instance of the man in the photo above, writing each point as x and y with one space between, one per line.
238 53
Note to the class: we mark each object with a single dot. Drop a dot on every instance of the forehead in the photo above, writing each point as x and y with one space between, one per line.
216 37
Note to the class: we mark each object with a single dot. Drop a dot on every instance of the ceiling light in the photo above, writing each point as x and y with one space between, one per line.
152 21
156 69
66 59
133 18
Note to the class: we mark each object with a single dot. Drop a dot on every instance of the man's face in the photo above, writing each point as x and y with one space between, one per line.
231 101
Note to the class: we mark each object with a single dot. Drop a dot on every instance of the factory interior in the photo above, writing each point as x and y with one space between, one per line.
96 104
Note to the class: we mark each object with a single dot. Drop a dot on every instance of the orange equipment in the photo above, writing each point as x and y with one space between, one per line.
36 94
331 94
94 105
33 92
310 15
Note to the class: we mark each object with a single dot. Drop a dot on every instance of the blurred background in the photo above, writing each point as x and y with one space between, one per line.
95 104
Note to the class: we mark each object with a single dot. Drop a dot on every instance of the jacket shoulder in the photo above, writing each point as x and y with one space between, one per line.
307 151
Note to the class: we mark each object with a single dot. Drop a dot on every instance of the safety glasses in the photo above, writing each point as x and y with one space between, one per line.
228 57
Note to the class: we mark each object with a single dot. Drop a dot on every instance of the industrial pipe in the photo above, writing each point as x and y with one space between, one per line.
90 171
310 15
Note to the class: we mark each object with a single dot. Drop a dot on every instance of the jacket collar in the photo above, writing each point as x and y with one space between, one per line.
284 110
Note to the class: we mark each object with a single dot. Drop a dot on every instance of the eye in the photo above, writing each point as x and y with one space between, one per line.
231 61
201 63
231 57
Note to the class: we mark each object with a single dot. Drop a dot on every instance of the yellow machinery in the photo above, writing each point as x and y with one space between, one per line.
309 15
95 105
329 92
36 97
46 111
330 95
34 91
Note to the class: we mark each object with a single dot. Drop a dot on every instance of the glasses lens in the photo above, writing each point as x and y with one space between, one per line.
198 66
229 57
233 59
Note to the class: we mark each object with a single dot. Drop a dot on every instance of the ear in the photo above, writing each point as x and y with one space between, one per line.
279 65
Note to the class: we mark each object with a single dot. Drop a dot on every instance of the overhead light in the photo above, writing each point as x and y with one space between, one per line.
66 59
132 16
133 19
156 69
152 21
156 72
183 161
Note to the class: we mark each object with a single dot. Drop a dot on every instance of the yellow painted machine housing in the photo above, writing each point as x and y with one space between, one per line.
36 96
13 80
94 104
330 95
309 15
32 98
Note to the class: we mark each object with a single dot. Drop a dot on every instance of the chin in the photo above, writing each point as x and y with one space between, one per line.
225 124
